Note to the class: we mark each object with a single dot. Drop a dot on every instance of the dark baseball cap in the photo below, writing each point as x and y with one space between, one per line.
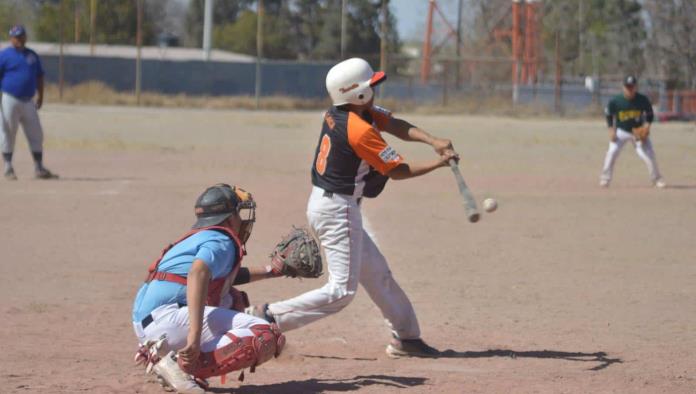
630 80
17 30
215 205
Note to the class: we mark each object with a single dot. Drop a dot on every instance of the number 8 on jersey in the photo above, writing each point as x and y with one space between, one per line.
323 155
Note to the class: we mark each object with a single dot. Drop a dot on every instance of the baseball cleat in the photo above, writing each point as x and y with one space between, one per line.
171 375
10 174
44 173
604 183
150 353
660 184
411 348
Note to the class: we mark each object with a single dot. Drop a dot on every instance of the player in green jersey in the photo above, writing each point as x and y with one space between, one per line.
629 116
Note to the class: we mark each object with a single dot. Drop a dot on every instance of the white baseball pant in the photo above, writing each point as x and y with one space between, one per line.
173 321
644 150
14 112
351 258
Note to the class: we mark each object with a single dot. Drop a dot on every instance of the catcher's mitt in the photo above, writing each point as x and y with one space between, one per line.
641 133
297 254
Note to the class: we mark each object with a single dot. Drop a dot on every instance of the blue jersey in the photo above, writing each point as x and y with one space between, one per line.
19 70
215 249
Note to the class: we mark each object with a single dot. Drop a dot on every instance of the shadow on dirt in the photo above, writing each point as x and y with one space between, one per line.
681 187
598 357
338 358
312 386
97 179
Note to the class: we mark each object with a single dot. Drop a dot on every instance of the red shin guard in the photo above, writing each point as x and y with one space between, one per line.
246 352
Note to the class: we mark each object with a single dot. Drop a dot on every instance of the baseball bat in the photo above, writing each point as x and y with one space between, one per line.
469 203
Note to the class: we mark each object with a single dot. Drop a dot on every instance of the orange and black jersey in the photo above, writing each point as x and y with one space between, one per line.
351 151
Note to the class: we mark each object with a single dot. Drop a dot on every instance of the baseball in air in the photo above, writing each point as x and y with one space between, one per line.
490 204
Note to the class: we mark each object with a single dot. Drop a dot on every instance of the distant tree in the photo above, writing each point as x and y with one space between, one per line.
14 12
619 32
603 36
612 31
6 17
224 13
672 42
241 36
116 21
309 29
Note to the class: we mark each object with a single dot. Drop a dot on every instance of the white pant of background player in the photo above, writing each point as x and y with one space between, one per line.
644 150
14 112
351 258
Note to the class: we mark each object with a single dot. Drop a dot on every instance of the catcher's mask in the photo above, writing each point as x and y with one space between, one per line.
219 202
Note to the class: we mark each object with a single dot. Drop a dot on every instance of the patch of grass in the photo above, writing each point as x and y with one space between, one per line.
98 93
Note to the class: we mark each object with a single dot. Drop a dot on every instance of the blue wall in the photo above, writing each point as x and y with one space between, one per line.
279 78
193 77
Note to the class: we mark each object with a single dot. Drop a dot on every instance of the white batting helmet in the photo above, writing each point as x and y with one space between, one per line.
349 82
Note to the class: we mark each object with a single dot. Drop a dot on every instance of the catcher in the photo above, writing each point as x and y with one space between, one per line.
629 116
187 316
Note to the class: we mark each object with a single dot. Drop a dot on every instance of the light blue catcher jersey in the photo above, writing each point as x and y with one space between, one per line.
215 249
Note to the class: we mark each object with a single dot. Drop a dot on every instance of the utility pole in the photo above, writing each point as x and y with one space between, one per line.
343 29
383 42
92 25
581 38
384 39
76 14
557 85
425 65
207 28
259 51
516 50
459 44
597 95
61 65
139 44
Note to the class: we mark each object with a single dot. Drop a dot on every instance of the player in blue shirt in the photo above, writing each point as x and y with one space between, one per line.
187 316
21 76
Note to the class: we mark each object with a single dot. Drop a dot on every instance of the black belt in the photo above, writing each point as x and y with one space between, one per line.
149 319
329 194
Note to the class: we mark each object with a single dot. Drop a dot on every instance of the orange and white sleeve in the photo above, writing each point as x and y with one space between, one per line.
369 145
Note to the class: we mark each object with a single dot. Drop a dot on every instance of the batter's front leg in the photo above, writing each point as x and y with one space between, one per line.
378 281
340 236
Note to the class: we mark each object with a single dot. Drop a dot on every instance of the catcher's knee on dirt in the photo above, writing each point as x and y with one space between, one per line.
245 352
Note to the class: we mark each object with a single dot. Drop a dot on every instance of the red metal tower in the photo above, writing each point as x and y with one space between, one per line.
428 50
524 35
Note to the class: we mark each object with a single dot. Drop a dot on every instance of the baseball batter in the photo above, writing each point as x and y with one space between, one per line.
353 161
629 117
21 76
187 316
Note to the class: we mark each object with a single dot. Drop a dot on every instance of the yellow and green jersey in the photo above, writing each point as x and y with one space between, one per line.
626 114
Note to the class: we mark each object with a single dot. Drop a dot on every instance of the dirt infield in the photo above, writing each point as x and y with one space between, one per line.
567 288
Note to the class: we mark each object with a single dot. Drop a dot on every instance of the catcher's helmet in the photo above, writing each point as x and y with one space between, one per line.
219 202
350 82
